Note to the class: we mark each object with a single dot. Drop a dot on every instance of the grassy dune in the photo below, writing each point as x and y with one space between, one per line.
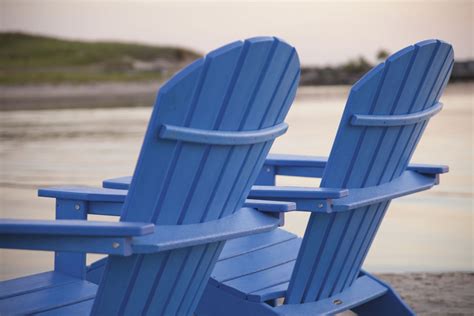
31 59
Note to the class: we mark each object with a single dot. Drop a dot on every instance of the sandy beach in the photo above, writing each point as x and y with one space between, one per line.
450 293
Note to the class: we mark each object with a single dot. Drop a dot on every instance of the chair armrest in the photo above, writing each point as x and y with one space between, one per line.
281 192
82 193
104 201
306 199
122 183
245 221
72 235
74 228
408 183
327 200
313 166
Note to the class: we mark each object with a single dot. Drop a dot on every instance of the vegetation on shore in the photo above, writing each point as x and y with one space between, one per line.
32 59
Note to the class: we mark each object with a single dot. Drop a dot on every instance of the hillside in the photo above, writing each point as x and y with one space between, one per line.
31 59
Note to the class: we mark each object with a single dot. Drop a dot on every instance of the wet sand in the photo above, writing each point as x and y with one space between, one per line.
450 293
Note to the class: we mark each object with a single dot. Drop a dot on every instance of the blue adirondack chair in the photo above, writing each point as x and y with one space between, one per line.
211 129
385 116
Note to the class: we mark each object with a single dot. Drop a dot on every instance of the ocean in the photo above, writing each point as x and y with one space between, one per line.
426 232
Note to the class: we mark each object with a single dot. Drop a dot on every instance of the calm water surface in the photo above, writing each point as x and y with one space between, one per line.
430 231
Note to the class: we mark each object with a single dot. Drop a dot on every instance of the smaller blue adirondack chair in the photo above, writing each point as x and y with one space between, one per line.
211 128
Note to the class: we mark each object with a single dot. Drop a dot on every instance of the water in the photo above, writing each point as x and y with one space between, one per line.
430 231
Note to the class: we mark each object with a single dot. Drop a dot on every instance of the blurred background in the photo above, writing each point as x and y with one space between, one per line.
78 79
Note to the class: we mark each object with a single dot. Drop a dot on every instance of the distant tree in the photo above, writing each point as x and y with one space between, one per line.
382 54
356 66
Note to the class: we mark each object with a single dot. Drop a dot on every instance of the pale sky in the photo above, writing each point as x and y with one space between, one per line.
323 32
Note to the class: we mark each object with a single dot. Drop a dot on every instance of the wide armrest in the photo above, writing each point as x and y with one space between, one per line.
327 200
74 228
126 238
104 201
82 193
408 183
72 235
244 222
312 166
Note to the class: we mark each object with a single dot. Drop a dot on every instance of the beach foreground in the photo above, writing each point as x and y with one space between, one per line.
450 293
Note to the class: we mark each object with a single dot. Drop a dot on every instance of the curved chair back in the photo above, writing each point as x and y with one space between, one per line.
384 119
210 131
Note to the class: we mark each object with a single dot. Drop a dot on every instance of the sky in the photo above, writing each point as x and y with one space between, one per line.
324 32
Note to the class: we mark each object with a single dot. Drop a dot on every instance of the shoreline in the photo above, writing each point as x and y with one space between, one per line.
120 94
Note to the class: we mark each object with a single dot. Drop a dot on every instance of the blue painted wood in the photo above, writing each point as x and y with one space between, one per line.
110 201
82 193
363 290
243 222
260 191
33 283
396 120
390 303
81 308
243 89
242 245
360 158
193 135
82 244
282 162
54 293
236 88
71 263
408 183
74 228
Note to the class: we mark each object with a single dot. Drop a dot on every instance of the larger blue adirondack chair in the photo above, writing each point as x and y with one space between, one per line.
211 129
385 116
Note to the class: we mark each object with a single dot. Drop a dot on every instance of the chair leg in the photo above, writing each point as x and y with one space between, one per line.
389 304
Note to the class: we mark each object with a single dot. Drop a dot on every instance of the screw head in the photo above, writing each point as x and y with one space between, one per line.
115 245
268 169
320 205
337 302
77 207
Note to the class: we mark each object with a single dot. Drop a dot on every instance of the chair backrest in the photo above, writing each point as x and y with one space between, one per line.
364 154
195 166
